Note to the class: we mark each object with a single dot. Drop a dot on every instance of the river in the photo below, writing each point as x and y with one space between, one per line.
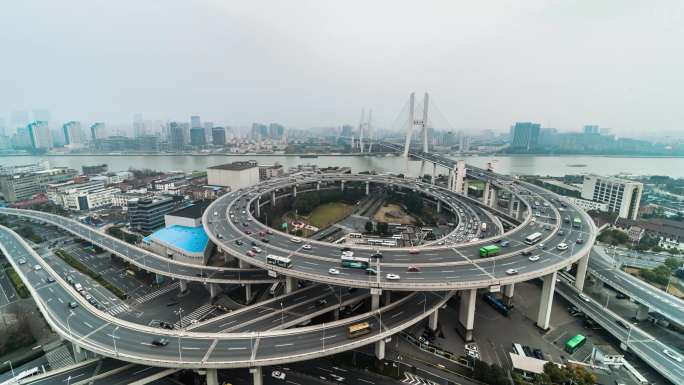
538 165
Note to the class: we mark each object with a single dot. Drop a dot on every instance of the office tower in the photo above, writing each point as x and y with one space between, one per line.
276 131
97 131
218 136
39 134
19 118
525 135
176 137
197 136
138 126
195 121
73 134
589 129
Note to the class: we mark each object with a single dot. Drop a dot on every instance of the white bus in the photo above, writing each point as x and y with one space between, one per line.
355 235
375 242
533 238
389 243
396 236
278 260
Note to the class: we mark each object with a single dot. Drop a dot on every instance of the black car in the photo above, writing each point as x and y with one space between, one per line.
622 324
538 354
254 243
264 240
160 342
621 296
579 241
526 253
239 242
345 249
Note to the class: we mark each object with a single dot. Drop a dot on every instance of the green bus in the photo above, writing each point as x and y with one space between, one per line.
577 223
489 251
575 343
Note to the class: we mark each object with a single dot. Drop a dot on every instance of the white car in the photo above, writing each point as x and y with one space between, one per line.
562 246
584 297
511 271
37 267
672 355
392 277
533 258
277 374
306 247
295 240
333 271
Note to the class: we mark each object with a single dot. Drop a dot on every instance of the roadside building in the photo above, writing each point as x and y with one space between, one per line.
22 186
621 195
120 198
147 214
88 195
234 175
267 172
588 205
183 237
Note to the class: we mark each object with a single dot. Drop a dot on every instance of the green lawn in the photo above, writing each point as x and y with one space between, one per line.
329 213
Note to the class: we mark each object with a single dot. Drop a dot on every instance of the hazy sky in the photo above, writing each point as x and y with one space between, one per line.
487 64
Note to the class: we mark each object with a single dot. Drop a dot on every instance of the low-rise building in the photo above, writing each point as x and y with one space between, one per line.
267 172
87 195
234 175
18 187
120 198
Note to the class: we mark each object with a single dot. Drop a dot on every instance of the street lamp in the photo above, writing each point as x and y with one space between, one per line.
11 368
282 314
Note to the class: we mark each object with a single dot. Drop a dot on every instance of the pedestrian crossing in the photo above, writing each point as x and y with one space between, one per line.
195 315
59 358
121 308
416 380
157 293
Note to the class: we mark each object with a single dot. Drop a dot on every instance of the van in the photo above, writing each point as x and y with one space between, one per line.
78 287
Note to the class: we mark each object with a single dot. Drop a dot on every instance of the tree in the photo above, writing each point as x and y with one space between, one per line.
673 263
369 227
414 203
383 227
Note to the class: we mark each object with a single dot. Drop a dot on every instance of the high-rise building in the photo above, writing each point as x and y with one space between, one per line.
73 134
195 121
97 131
176 137
138 126
197 136
591 129
19 118
347 131
259 131
525 135
21 139
276 131
39 134
622 196
218 136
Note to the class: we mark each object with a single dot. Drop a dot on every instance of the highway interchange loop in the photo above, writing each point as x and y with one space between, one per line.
442 269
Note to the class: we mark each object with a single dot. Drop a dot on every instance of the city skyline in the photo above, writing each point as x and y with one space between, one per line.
246 63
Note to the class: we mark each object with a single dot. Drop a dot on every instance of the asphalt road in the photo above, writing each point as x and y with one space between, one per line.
115 338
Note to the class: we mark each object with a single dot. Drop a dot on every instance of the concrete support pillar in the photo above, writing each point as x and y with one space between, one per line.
318 186
183 285
258 208
388 298
439 206
375 299
581 274
546 301
485 196
450 180
367 188
214 289
466 185
294 191
434 173
508 291
290 284
460 175
380 350
493 198
432 320
642 313
212 377
336 314
243 264
248 292
79 354
342 185
273 195
466 313
257 376
227 258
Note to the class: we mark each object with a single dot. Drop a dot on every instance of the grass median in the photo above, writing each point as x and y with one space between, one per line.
19 285
78 265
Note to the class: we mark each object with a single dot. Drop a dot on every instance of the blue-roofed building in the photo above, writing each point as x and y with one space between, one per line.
183 238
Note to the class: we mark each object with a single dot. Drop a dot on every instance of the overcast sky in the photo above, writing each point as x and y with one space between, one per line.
486 64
